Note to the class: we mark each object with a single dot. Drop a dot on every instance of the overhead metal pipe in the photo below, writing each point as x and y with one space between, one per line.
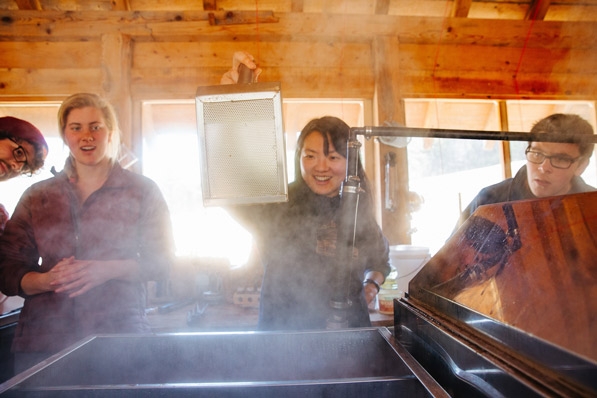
389 131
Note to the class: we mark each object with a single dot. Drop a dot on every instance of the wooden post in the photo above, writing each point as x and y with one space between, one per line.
116 80
390 108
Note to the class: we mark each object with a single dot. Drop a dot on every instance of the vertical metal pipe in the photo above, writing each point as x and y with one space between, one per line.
345 243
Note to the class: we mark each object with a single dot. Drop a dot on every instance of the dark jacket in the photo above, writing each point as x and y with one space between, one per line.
516 188
297 244
127 218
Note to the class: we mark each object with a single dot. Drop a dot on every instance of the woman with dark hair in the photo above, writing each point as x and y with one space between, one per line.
297 240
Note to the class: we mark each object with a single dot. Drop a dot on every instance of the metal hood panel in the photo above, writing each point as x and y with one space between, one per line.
523 276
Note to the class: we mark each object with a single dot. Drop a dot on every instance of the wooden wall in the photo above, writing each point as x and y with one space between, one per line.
130 56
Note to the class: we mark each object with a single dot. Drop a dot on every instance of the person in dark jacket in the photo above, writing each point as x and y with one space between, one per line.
80 245
552 168
297 240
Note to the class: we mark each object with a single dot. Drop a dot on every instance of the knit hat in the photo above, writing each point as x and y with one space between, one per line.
22 129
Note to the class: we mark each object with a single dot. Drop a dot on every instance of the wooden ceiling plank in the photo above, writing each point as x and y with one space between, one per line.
280 54
50 82
86 25
18 54
575 2
578 13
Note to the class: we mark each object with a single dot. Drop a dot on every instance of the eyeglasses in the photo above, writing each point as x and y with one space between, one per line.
557 161
20 156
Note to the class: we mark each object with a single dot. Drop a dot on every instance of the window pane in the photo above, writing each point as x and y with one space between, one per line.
448 173
171 159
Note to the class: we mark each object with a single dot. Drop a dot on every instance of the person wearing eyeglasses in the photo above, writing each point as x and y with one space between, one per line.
552 168
23 150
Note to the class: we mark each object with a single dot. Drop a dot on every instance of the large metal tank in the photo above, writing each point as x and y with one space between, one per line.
344 363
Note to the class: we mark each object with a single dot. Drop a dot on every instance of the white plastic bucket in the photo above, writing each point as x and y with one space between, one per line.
407 260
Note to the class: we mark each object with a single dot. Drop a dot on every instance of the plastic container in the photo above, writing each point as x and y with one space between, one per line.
386 298
407 260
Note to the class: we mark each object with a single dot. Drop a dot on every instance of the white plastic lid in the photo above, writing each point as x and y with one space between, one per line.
408 251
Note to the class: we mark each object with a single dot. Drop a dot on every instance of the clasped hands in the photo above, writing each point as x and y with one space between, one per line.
76 277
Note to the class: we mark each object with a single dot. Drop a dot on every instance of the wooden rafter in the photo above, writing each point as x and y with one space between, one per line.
296 5
29 5
241 17
461 8
210 5
121 5
382 7
537 10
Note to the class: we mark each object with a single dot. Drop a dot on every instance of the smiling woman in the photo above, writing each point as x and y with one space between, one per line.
322 167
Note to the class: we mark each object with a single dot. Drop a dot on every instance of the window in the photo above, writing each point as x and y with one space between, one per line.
447 173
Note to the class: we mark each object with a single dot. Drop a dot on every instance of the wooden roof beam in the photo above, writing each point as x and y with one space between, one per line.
210 5
297 5
241 17
194 25
537 10
121 5
461 8
382 7
29 5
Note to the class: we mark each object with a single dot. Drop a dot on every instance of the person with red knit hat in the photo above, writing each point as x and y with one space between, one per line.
23 150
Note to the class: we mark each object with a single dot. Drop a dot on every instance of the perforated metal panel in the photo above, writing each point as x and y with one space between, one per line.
241 142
